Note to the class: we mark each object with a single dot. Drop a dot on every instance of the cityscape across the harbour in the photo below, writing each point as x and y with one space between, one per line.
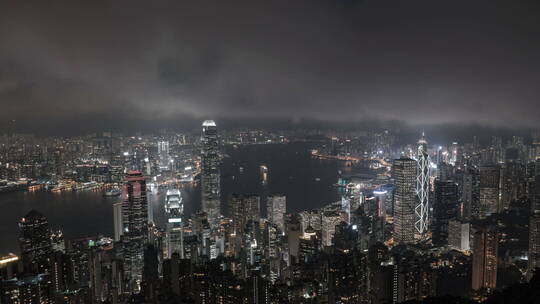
410 221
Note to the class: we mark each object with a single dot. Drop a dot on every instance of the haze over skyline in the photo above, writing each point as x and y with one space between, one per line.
118 63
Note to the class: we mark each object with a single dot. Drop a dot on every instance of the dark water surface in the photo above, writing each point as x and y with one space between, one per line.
306 182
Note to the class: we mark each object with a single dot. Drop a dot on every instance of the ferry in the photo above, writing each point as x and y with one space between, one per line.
113 192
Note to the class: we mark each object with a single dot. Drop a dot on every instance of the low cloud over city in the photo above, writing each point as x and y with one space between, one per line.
119 61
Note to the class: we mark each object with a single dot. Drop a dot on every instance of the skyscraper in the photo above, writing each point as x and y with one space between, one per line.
210 174
163 152
534 242
489 190
404 174
484 272
35 242
30 289
459 235
330 219
468 181
243 209
150 271
118 226
174 209
445 209
421 210
534 224
535 149
135 226
276 207
513 180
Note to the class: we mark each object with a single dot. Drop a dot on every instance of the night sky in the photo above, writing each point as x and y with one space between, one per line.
106 64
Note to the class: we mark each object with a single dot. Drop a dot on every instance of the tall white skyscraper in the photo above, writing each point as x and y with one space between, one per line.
421 210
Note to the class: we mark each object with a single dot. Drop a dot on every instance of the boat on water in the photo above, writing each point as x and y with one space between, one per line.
114 192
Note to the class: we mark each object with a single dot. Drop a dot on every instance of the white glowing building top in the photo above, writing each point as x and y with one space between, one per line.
173 205
209 123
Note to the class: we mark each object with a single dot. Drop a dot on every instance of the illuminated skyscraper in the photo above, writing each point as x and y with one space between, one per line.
489 190
174 210
243 209
276 206
535 149
346 207
534 225
135 226
30 289
163 152
534 242
163 148
330 219
35 242
422 188
210 174
459 235
308 244
380 198
404 174
484 272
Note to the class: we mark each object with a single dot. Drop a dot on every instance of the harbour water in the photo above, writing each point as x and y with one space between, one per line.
307 183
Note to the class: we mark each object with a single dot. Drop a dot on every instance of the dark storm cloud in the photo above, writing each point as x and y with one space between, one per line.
422 62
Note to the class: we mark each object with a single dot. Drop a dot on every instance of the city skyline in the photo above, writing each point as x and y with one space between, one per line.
227 214
269 152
